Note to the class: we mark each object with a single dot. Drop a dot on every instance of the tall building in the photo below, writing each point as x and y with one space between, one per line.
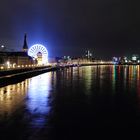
16 58
25 46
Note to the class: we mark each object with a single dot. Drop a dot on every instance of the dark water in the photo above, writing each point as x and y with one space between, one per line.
72 104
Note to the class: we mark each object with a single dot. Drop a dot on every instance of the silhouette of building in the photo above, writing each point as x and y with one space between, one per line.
25 46
17 58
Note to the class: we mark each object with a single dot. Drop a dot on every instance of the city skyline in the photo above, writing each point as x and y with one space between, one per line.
108 28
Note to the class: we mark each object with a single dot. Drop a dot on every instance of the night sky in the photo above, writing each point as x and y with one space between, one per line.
68 27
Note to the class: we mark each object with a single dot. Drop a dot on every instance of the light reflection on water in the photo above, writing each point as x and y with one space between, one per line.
113 77
38 93
11 96
38 97
31 94
70 89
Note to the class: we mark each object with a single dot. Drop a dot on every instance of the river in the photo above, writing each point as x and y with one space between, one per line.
70 103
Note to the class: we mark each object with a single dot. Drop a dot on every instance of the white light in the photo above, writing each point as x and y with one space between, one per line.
101 62
2 46
1 67
126 61
8 64
35 49
134 58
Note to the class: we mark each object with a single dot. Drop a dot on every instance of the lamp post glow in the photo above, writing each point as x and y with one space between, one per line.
8 64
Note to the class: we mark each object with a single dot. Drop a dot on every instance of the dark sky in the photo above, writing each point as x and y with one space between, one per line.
68 27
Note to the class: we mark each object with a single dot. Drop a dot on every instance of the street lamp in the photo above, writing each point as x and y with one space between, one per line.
8 64
2 47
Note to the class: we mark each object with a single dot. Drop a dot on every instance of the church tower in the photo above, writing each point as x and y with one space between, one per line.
25 46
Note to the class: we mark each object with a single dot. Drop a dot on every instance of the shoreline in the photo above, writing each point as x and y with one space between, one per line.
14 78
19 77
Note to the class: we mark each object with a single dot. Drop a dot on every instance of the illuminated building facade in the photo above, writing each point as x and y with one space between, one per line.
134 59
39 58
16 58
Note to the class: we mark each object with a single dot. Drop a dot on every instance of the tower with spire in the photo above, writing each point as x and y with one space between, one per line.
25 46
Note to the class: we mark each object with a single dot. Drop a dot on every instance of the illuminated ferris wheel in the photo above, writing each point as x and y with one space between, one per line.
38 48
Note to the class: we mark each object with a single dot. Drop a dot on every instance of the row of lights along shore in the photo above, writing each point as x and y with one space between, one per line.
14 66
